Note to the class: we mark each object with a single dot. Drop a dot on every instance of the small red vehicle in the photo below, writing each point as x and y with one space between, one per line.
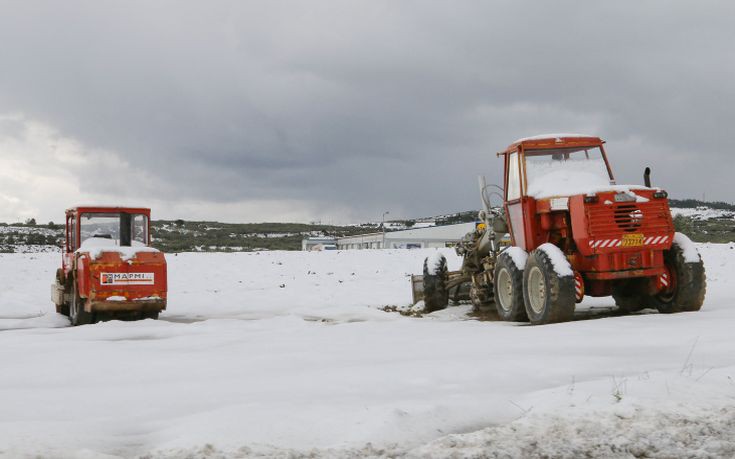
109 270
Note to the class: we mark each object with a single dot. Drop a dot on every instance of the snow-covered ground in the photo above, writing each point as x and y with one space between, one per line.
289 354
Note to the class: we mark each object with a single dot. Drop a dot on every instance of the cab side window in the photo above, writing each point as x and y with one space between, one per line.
72 235
513 191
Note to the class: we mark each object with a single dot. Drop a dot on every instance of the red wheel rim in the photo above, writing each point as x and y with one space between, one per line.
666 283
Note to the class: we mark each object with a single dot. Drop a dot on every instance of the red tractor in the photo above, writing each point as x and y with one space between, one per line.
573 232
108 268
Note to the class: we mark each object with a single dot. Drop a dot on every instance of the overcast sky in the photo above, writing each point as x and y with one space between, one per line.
340 110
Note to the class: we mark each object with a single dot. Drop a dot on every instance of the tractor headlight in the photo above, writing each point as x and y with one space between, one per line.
661 194
591 199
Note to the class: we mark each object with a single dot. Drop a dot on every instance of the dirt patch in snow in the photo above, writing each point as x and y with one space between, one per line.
635 433
641 433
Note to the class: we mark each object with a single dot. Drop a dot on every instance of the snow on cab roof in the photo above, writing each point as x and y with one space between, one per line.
554 136
107 206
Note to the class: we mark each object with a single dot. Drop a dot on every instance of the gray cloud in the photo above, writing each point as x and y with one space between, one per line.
341 110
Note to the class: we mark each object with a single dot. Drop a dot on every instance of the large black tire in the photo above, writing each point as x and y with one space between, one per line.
690 284
509 289
436 295
548 296
77 314
61 280
629 295
150 315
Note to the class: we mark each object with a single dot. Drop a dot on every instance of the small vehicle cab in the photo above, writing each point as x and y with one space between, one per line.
585 235
108 268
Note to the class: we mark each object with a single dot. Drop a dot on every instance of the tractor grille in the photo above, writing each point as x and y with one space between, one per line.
609 221
628 217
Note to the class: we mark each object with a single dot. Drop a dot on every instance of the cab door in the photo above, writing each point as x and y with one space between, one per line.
513 199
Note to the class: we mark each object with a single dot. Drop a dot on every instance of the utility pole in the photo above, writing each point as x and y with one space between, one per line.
382 224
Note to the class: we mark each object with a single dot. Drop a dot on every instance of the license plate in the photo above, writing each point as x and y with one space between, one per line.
632 240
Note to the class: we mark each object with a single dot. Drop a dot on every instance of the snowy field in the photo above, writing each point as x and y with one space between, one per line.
288 354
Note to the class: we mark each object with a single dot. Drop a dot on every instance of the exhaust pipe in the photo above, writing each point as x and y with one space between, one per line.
647 177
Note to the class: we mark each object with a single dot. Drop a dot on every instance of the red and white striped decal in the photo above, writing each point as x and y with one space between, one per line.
610 243
664 280
578 286
654 240
605 243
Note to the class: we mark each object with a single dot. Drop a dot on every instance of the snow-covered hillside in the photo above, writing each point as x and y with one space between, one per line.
703 213
289 354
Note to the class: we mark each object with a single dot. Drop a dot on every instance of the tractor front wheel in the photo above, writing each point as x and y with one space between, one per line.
509 289
549 296
77 314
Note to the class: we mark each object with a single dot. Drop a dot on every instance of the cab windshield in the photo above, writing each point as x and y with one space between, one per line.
565 172
113 229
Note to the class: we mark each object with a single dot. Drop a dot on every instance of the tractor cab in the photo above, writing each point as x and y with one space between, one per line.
543 172
119 226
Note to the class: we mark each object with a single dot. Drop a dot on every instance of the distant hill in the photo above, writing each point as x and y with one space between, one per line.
694 203
186 236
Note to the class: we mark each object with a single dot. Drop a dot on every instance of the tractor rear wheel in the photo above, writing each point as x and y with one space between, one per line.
549 297
687 286
509 289
77 314
436 295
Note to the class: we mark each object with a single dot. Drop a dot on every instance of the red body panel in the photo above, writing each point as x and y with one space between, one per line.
90 276
605 239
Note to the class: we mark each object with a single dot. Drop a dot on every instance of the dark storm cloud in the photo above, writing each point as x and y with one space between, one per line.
372 105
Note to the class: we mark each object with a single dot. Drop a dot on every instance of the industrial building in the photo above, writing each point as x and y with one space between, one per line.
432 237
319 243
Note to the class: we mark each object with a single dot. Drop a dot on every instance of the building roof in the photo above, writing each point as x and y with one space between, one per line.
445 232
436 233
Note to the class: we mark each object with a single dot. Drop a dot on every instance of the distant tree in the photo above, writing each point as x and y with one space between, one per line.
179 222
31 222
52 225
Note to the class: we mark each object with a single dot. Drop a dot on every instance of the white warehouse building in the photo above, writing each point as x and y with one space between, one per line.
432 237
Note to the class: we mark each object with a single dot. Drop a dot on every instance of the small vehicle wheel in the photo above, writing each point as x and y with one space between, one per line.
77 314
509 289
61 281
688 286
548 296
436 295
